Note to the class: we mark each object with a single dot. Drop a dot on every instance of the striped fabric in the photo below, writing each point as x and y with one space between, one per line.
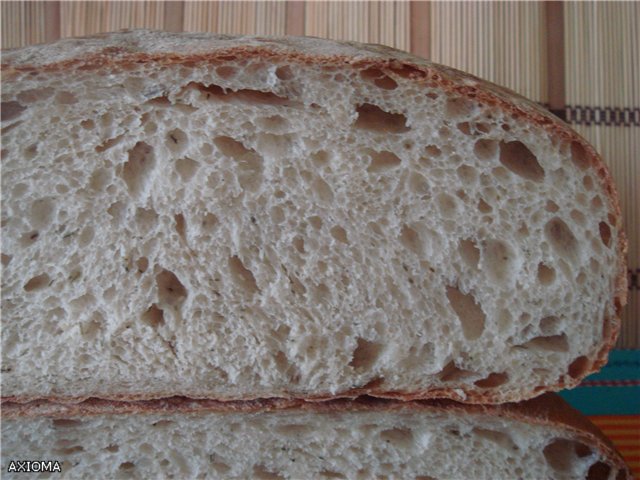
611 399
624 432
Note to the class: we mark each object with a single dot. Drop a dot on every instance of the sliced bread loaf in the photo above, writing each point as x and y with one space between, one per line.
242 217
363 439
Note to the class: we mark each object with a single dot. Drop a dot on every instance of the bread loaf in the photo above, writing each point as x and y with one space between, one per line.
363 439
245 217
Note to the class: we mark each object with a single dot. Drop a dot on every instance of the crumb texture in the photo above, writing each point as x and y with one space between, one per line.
255 227
294 445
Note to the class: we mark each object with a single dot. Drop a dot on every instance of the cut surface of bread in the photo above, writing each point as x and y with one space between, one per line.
361 439
236 217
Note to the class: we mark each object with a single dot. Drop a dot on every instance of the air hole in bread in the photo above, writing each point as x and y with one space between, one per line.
260 472
315 221
598 471
411 240
321 190
29 238
425 477
579 367
339 234
276 214
465 128
468 174
330 474
274 123
551 206
6 259
451 373
65 98
469 253
297 287
499 260
209 221
245 96
146 219
112 448
136 171
379 78
68 450
37 283
298 243
561 239
546 274
433 151
66 423
447 204
11 110
176 140
561 454
34 95
181 225
549 324
100 178
579 156
30 152
459 107
418 183
163 424
186 168
501 439
484 207
587 181
242 276
170 290
469 313
284 72
282 362
274 146
605 233
383 161
161 101
226 71
485 149
294 431
109 143
373 118
578 217
365 355
41 212
400 438
127 466
154 316
551 343
143 264
493 380
93 327
86 236
519 159
320 158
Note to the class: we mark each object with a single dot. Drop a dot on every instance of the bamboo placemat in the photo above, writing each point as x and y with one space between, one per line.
581 59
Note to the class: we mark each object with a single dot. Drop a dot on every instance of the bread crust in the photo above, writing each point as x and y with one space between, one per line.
546 410
128 50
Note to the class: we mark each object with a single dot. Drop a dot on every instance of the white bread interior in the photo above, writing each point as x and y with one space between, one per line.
407 441
269 226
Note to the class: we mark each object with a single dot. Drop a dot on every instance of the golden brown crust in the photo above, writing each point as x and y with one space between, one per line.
117 57
546 410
